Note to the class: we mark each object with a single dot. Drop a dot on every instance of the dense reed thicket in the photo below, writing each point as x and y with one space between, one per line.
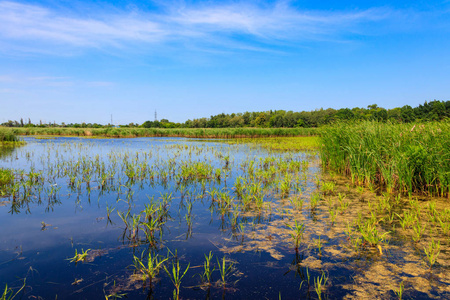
7 135
282 144
400 157
169 132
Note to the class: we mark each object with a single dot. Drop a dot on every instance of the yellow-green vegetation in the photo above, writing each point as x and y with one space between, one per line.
175 275
6 177
79 256
402 158
7 135
8 293
149 269
7 141
298 143
168 132
6 181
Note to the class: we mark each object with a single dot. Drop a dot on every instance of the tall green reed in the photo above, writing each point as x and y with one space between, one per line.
403 158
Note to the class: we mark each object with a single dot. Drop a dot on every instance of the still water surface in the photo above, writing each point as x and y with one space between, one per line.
237 201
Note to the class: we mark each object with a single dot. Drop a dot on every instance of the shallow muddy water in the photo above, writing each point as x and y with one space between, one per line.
282 227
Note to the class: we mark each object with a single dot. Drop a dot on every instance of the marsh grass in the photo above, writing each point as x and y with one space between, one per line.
399 292
8 140
320 284
169 132
296 143
6 177
206 276
405 158
79 256
149 266
225 270
7 135
113 295
432 252
176 274
297 233
8 293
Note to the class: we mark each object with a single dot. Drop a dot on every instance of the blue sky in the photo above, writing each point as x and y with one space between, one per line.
81 61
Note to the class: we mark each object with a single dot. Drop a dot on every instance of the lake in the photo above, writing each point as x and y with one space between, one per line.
85 217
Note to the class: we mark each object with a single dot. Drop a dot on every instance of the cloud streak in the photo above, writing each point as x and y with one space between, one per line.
227 26
43 82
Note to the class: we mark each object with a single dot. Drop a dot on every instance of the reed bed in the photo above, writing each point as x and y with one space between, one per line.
170 132
7 135
405 158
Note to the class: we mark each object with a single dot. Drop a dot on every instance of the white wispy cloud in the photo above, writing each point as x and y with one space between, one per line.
200 24
23 82
31 22
278 21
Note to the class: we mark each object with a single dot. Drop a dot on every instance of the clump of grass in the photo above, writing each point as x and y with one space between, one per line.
432 252
114 294
207 272
319 244
7 135
297 233
79 256
175 275
225 270
399 291
150 268
370 234
418 230
314 201
319 285
6 177
8 293
328 188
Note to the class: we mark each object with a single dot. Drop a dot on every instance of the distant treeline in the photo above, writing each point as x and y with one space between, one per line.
429 111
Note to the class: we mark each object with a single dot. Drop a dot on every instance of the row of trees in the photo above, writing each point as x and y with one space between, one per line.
21 123
433 110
